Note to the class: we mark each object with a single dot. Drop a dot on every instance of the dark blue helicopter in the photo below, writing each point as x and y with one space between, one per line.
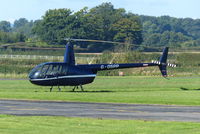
67 73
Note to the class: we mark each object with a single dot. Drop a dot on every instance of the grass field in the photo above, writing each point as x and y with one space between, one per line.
143 90
64 125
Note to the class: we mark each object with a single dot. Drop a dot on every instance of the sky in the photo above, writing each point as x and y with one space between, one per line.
11 10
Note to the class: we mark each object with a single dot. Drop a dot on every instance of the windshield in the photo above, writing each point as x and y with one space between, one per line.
36 69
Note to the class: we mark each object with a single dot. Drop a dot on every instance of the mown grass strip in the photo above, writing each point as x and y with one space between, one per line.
64 125
144 90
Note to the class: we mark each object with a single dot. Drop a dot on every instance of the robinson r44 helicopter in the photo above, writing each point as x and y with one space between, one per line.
67 73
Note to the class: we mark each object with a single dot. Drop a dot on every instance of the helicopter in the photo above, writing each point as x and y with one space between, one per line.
68 73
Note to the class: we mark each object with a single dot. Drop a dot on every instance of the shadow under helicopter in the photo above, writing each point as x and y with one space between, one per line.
91 91
100 91
187 89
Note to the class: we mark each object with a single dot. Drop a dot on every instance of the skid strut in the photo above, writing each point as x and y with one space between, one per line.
76 87
59 89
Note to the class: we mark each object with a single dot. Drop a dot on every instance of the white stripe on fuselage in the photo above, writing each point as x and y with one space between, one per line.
69 76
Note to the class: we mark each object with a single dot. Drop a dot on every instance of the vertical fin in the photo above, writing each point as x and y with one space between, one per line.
163 62
163 58
69 54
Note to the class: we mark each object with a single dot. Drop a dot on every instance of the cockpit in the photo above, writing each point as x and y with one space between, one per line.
48 70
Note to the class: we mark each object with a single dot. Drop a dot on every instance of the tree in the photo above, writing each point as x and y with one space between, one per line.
5 26
20 23
104 22
94 24
53 28
127 31
101 18
23 26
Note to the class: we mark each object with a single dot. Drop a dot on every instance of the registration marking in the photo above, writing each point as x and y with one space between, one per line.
145 65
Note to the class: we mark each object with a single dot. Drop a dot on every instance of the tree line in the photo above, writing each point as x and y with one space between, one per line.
174 32
104 22
18 32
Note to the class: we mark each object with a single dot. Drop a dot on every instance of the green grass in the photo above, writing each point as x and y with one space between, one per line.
143 90
64 125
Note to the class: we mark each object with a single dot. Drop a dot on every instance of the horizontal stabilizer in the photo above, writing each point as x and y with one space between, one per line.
159 63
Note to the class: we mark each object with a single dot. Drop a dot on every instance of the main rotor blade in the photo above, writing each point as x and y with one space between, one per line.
111 42
101 41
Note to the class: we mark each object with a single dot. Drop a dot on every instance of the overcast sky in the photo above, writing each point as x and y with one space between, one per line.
33 9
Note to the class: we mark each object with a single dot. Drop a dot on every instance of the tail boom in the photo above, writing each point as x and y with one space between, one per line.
162 64
101 67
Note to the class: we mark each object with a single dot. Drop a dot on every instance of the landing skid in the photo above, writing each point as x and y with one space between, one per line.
59 89
76 87
51 88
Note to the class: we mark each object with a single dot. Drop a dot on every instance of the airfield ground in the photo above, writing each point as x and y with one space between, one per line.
101 110
64 125
132 90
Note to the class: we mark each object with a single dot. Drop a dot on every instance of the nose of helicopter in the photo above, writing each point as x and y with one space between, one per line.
34 78
34 75
31 74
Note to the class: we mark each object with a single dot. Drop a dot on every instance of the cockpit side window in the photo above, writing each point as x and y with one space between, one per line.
44 69
54 70
60 68
49 71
